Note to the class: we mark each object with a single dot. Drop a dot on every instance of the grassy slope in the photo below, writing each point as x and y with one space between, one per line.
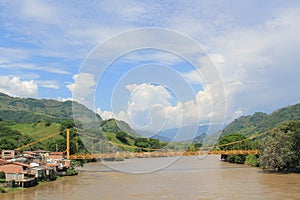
112 137
38 130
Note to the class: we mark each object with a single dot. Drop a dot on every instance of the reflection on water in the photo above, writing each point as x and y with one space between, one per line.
188 178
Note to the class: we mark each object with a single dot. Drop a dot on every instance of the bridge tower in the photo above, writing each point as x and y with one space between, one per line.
68 144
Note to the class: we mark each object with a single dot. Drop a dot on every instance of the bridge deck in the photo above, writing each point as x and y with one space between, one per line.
160 154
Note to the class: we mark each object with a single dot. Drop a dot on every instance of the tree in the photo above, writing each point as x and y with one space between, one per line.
240 159
142 142
123 137
11 139
280 149
198 145
228 139
154 143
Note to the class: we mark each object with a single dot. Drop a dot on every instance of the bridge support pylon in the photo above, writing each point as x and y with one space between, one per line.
68 144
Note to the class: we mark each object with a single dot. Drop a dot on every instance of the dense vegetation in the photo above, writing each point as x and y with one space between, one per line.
261 122
279 149
28 110
11 139
240 159
113 125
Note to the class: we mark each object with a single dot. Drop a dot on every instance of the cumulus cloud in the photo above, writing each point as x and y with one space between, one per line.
146 106
150 108
83 88
16 87
145 95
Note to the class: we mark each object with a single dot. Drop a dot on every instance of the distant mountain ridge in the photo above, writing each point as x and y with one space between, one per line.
261 122
186 133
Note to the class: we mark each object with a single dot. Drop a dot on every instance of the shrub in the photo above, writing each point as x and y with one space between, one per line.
238 159
252 160
2 190
2 174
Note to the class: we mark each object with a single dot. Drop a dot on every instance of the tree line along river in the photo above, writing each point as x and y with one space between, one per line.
166 178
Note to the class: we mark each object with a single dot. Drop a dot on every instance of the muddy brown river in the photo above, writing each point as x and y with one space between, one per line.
187 178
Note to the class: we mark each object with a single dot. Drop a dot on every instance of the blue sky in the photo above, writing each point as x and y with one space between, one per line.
253 45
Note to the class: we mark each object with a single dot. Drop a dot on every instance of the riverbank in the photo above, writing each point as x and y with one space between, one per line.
11 193
253 161
4 189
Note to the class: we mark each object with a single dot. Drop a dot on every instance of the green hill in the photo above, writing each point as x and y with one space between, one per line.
25 111
28 110
113 125
260 122
39 118
37 130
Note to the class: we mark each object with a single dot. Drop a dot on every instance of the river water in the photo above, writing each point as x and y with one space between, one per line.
187 178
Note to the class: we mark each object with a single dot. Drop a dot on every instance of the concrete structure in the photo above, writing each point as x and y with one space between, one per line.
8 154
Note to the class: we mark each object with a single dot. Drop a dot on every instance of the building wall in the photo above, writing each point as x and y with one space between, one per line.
10 177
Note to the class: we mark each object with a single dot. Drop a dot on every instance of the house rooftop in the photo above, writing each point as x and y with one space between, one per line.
52 164
41 151
2 162
57 153
11 169
20 164
29 152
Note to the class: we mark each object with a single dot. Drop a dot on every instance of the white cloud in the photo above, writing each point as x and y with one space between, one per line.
17 58
260 64
83 88
194 77
150 108
64 99
48 84
166 58
145 95
146 106
33 67
16 87
9 55
39 11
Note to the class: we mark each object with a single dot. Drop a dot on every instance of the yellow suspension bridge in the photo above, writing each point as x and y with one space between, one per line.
241 147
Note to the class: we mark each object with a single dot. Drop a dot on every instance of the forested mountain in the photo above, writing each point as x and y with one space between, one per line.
29 110
260 122
26 110
26 119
